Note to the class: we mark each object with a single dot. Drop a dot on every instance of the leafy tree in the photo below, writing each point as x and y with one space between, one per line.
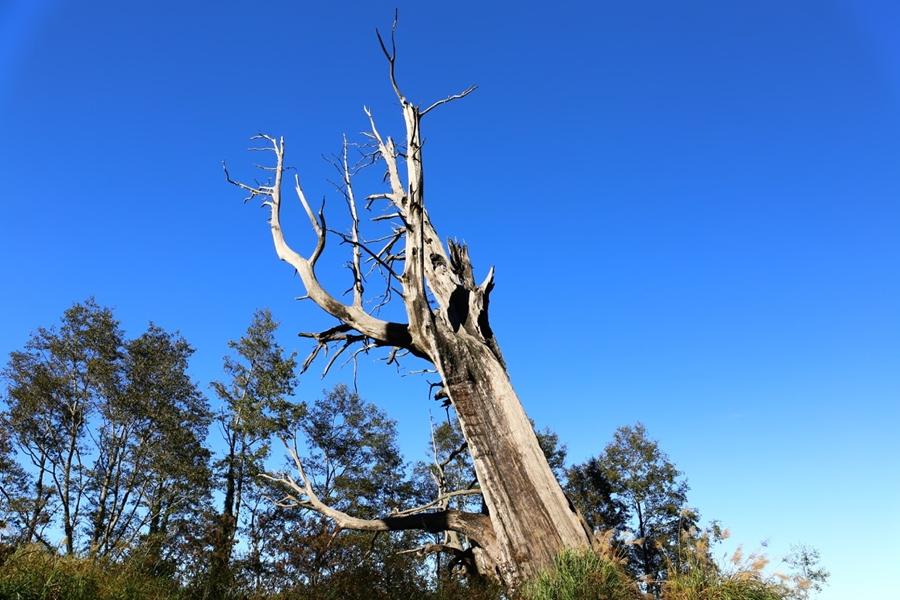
353 462
13 488
114 433
554 452
55 386
633 487
167 464
592 492
255 408
151 469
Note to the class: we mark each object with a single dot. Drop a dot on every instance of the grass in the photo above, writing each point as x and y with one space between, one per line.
583 575
700 578
33 573
601 575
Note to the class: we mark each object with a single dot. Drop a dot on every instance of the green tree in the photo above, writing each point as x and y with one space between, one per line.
166 469
55 386
255 403
633 487
13 488
114 433
352 458
554 452
592 492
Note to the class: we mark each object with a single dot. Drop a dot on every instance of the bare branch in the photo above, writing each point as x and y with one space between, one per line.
462 448
389 155
355 317
354 229
388 216
338 333
458 96
253 191
373 256
392 55
301 494
440 501
318 224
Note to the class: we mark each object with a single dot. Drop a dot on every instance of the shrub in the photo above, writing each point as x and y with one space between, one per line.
583 575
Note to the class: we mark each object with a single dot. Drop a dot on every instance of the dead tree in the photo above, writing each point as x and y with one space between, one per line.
529 519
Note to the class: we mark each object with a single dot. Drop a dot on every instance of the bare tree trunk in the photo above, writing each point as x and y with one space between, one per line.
532 518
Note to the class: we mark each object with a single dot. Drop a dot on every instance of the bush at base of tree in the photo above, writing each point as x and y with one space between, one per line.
583 575
33 573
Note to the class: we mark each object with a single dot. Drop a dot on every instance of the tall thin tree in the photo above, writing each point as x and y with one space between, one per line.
255 408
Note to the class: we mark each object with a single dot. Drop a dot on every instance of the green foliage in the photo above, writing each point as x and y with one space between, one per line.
150 444
33 573
583 575
591 575
591 490
113 430
13 485
255 408
554 452
633 488
56 384
742 586
354 455
356 466
103 441
452 588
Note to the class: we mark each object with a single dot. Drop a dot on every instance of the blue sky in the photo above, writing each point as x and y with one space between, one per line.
693 209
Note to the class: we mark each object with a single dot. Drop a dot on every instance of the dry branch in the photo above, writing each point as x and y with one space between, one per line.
301 494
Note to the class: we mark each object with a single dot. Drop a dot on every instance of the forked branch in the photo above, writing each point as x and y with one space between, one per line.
300 494
353 316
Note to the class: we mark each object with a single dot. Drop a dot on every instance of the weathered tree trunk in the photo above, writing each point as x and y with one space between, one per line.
530 519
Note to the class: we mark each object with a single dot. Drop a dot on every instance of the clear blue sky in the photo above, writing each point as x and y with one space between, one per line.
693 209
